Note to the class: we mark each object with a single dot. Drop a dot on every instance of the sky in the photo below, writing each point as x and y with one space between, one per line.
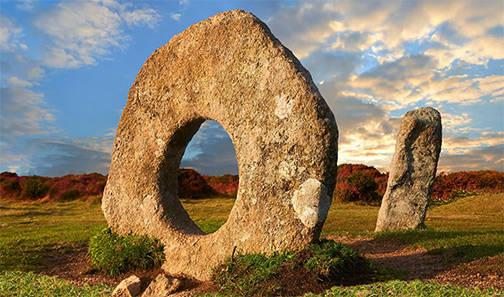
66 68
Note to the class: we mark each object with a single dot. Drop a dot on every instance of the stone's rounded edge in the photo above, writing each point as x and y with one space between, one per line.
426 114
144 132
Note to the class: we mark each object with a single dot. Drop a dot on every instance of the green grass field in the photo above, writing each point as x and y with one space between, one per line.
473 226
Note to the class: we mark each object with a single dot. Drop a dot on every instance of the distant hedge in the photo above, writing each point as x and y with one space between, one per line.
355 183
446 185
65 188
361 183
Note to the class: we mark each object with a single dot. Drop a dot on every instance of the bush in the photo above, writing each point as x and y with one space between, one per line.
333 261
448 187
114 254
315 268
11 188
34 188
192 185
359 183
69 195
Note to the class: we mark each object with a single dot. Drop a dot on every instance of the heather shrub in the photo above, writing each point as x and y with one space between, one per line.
359 183
460 184
192 185
69 195
34 187
11 188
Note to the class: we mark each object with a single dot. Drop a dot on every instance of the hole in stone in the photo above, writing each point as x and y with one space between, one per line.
208 177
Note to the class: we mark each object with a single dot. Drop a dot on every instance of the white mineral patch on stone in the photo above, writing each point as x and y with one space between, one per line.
286 169
245 237
311 202
149 207
284 106
161 145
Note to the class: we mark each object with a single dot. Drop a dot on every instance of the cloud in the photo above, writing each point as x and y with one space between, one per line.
21 67
352 41
335 67
175 16
81 32
211 151
391 25
59 157
462 144
313 26
184 3
138 17
26 5
411 79
9 34
486 158
23 112
16 82
402 47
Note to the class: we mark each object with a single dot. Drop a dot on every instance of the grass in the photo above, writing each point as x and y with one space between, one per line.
209 214
403 288
17 283
465 245
474 213
114 254
29 230
470 228
261 275
350 217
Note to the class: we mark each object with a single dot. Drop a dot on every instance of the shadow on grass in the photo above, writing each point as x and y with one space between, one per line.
423 254
30 213
413 237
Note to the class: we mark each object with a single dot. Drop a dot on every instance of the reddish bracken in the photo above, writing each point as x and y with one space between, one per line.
482 181
358 182
224 185
194 185
70 187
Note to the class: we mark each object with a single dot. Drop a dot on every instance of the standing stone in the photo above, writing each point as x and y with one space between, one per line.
412 171
230 69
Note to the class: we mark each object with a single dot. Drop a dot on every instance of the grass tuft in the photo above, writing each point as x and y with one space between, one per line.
316 267
114 254
333 261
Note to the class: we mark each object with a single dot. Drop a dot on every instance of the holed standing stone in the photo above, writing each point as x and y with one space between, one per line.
412 171
230 69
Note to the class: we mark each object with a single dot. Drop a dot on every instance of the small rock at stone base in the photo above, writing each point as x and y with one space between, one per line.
129 287
162 285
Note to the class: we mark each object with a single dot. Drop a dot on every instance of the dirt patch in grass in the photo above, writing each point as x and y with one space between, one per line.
74 266
483 273
421 264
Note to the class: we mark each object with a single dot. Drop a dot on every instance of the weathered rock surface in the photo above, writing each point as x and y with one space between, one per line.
161 286
231 69
129 287
412 171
